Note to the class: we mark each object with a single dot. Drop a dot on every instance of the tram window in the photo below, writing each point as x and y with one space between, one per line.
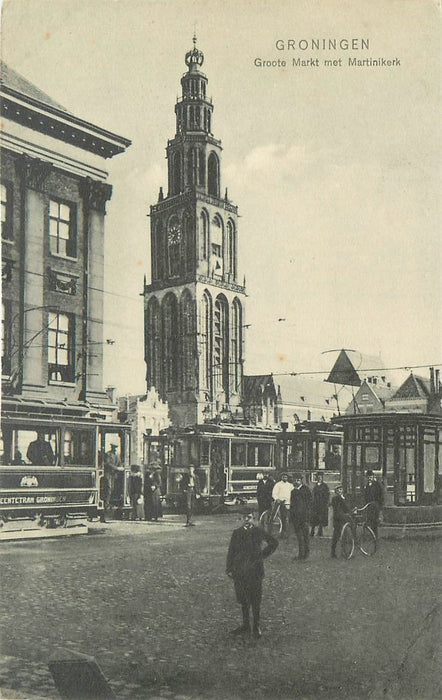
264 456
78 447
38 447
372 455
205 450
238 454
429 466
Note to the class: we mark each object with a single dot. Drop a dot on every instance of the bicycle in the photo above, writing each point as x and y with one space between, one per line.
270 519
357 532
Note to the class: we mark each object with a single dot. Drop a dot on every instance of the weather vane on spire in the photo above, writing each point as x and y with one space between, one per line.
194 58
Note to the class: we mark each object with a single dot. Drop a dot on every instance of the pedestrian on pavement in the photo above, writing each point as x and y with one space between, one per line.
341 515
264 493
374 496
156 488
245 566
135 489
191 490
281 492
321 500
112 468
148 484
300 510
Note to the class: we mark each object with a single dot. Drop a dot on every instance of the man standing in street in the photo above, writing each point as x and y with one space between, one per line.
245 565
264 493
191 490
341 514
321 499
281 492
300 508
374 496
112 466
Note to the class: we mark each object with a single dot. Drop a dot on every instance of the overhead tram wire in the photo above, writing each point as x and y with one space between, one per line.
365 369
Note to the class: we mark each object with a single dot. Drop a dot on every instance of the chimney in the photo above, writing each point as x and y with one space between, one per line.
432 384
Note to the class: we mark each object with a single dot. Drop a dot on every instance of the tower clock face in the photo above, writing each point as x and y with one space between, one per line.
174 233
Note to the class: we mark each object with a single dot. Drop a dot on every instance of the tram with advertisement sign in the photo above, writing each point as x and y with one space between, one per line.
228 460
52 467
315 447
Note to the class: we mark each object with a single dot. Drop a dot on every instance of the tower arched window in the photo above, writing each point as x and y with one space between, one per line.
204 236
206 342
220 345
174 246
188 339
231 249
188 234
201 168
170 342
213 175
153 343
191 166
176 177
157 251
216 252
235 346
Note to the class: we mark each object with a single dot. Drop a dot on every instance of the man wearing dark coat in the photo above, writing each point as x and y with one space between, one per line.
40 452
341 515
321 499
191 490
264 493
300 510
245 565
373 495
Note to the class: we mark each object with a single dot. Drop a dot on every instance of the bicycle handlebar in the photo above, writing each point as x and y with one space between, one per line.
361 510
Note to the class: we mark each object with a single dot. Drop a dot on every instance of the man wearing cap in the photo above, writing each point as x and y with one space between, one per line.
341 514
374 496
245 566
300 509
281 492
112 465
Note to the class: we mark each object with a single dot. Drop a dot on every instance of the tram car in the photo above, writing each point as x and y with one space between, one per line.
52 467
228 459
314 447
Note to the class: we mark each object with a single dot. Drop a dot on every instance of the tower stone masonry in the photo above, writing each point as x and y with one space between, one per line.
194 305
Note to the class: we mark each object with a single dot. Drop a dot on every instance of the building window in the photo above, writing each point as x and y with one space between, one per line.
188 326
213 175
235 347
6 206
6 338
204 236
217 248
170 342
206 335
61 229
174 241
60 347
153 342
220 346
231 249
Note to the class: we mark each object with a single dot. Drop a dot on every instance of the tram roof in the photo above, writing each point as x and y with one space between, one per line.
223 429
390 417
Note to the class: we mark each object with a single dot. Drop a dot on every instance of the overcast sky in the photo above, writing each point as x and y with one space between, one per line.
336 171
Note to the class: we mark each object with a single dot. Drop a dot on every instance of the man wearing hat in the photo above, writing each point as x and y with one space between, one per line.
112 465
281 492
300 509
191 490
341 514
245 566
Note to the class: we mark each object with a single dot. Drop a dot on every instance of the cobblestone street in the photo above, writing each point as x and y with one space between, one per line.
152 604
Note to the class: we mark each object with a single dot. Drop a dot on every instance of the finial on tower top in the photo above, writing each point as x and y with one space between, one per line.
194 58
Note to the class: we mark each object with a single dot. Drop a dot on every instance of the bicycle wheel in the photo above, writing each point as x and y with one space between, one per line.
347 541
271 524
368 542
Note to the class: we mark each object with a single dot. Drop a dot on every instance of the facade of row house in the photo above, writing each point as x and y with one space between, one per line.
147 415
54 191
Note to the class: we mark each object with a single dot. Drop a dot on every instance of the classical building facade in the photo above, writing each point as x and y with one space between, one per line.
194 304
147 414
53 198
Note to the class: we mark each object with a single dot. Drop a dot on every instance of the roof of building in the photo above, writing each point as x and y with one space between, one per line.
301 390
24 103
254 385
414 387
352 368
14 81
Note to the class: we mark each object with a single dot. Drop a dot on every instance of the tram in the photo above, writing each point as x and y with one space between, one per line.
228 459
52 466
314 447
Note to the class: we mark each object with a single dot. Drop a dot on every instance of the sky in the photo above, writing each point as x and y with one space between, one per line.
335 169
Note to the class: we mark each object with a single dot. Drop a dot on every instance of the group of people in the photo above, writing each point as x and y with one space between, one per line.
250 545
308 510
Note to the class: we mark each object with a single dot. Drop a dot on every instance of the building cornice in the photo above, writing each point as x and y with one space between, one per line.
192 197
59 124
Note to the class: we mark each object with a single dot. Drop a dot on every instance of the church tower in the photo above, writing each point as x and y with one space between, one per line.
194 306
